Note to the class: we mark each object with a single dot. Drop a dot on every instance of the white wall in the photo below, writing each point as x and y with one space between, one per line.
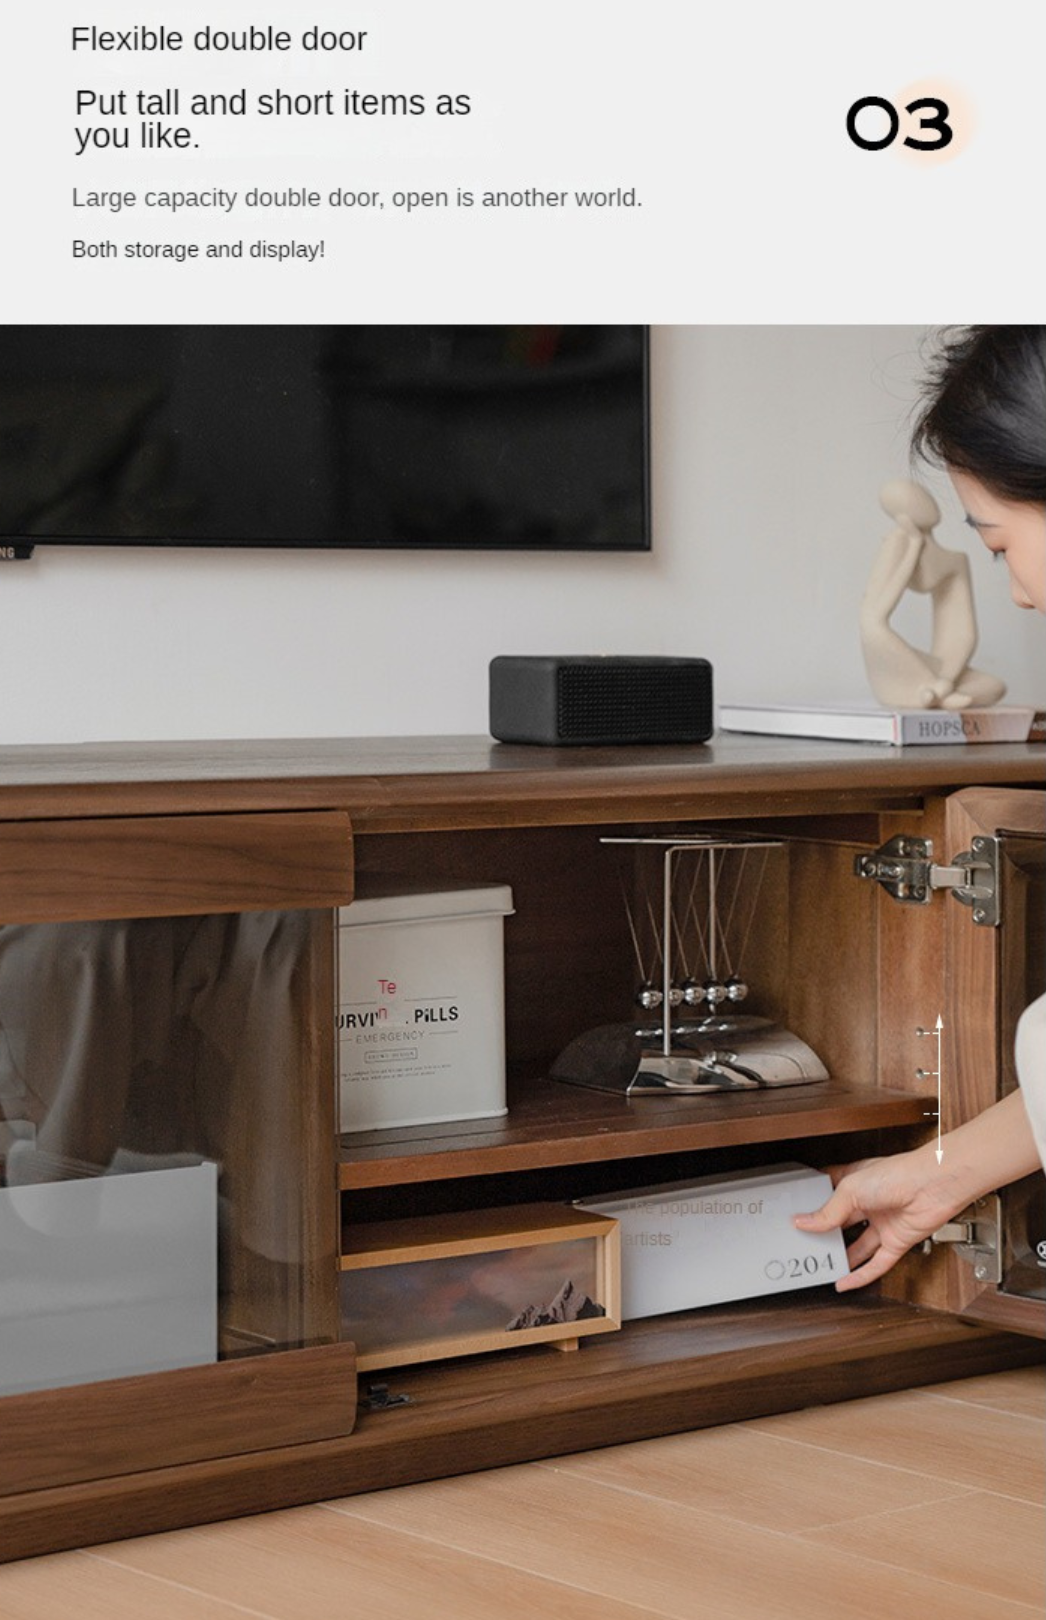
769 446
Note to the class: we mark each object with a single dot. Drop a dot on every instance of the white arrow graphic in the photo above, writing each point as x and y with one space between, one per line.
937 1029
935 1074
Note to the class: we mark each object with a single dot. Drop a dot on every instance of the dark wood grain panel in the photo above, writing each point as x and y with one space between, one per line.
127 1425
934 959
173 866
184 829
400 784
975 1063
554 1124
831 1000
1007 1312
656 1377
910 988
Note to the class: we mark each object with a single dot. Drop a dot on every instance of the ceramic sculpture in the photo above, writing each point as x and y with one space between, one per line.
910 559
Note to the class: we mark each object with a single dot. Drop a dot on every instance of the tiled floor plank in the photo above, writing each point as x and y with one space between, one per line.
983 1449
756 1478
989 1544
80 1585
308 1562
1021 1391
677 1561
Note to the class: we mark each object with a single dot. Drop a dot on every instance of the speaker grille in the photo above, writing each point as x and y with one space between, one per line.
634 702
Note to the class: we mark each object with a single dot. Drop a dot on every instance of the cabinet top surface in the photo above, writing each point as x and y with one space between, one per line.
431 780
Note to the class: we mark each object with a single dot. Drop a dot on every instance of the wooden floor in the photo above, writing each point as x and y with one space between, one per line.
929 1502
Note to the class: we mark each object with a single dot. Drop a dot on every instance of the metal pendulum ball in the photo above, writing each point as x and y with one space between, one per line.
714 988
694 924
649 995
692 991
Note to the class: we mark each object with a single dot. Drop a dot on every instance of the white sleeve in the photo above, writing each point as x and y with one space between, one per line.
1030 1053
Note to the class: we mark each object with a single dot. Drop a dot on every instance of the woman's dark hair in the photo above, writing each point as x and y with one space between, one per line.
985 410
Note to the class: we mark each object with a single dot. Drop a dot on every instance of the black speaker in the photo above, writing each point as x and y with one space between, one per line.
601 700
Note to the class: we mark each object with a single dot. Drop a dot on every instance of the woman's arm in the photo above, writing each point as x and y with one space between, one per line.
909 1195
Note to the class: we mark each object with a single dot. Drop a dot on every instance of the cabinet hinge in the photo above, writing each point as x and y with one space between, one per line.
975 1234
905 868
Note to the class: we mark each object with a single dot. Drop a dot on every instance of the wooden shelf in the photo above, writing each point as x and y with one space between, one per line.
554 1124
689 1370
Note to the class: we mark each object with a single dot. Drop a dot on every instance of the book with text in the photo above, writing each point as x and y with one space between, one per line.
868 723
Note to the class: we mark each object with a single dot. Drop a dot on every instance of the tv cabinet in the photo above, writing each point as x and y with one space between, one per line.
213 829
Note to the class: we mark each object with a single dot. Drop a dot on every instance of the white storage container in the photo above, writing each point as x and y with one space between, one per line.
705 1242
108 1277
421 1007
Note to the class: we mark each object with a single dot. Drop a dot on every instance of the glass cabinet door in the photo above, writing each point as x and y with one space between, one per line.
158 1143
168 1198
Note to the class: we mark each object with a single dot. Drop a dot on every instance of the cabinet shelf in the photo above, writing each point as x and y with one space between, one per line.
662 1375
659 1376
552 1124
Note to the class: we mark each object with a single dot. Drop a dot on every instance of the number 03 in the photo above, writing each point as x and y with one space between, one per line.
937 123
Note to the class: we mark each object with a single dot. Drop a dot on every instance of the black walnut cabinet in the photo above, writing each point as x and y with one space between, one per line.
236 829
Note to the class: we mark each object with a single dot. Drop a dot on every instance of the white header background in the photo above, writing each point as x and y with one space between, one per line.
789 277
728 120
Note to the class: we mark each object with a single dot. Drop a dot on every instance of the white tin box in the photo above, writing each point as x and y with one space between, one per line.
705 1242
421 1007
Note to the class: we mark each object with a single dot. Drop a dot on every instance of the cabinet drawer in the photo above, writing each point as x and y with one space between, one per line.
173 866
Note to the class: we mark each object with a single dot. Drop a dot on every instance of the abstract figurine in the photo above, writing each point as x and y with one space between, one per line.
903 676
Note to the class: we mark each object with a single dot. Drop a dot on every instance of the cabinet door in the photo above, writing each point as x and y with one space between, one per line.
938 959
993 972
168 1203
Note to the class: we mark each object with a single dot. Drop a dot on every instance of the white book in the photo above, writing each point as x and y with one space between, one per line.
705 1242
869 723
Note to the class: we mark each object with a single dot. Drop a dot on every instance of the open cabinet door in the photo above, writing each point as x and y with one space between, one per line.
995 965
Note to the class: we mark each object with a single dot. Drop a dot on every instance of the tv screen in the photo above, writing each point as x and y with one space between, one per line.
495 437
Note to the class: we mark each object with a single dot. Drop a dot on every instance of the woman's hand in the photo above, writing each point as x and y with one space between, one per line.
903 1199
909 1195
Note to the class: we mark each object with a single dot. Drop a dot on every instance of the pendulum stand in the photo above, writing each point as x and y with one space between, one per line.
701 1044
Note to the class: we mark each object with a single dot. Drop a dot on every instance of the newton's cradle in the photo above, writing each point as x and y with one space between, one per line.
689 960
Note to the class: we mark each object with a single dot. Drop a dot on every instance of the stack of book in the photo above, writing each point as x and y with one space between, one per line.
869 723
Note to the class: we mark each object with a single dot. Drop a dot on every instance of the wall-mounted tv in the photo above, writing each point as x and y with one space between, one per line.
472 437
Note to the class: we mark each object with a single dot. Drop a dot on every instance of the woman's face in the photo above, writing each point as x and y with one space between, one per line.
1013 530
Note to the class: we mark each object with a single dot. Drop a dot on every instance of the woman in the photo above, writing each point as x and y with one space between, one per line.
985 421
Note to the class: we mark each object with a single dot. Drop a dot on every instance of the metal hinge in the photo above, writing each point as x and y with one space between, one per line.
905 868
975 1233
